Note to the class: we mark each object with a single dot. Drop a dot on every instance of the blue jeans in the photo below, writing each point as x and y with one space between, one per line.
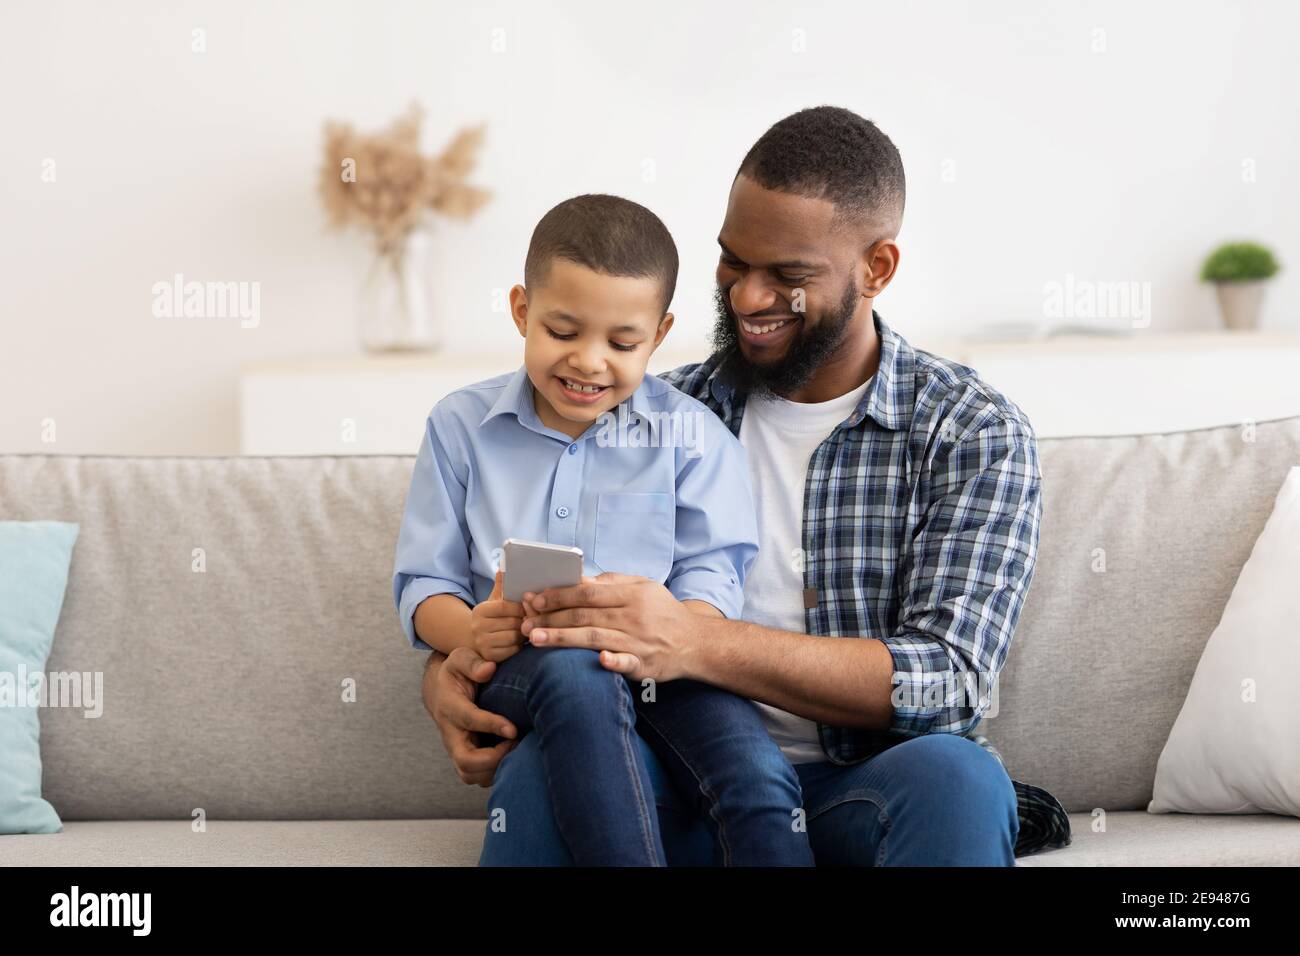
936 800
593 738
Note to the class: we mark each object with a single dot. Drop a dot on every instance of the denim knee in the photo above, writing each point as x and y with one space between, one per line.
574 668
950 766
964 765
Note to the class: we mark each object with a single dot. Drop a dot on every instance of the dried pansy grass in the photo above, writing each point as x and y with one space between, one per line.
382 183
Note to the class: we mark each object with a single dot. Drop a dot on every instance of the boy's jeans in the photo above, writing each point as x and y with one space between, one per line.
581 722
935 800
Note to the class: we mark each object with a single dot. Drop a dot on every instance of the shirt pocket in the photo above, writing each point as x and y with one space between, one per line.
635 533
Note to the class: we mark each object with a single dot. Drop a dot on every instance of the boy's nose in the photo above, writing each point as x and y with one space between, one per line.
586 363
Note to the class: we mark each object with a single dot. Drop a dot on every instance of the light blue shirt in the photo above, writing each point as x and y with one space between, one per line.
659 487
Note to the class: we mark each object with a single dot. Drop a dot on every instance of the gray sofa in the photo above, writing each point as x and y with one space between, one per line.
224 689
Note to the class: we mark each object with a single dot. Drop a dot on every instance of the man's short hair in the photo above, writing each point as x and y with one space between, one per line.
607 234
827 152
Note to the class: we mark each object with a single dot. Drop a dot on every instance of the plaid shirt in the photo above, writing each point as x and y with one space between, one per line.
921 516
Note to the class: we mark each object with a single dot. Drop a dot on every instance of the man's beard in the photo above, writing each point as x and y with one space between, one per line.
804 356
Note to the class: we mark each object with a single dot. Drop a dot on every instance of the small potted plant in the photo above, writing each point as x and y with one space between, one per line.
1239 271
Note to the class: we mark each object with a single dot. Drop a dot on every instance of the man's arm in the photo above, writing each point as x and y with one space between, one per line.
837 681
970 568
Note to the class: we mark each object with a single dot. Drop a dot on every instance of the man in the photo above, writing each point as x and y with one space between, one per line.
899 501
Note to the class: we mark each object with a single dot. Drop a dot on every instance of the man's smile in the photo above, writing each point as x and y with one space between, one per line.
767 332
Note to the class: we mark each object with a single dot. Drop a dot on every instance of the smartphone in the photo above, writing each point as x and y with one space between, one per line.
535 566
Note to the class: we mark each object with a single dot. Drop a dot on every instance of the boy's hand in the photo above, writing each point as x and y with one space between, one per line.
495 623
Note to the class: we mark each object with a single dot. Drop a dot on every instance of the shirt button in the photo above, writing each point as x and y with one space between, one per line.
573 449
562 511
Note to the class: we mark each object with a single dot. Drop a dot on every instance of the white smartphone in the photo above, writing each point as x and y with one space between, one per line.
535 566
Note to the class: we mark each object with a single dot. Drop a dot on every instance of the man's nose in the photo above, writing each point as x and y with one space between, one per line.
749 295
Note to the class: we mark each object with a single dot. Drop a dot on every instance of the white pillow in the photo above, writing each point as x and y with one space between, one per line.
1235 747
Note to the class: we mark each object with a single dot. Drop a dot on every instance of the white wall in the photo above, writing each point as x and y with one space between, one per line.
1117 165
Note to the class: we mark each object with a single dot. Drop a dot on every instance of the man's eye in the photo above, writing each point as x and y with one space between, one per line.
731 263
791 280
562 338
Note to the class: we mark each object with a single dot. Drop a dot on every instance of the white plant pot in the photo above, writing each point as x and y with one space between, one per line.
1240 302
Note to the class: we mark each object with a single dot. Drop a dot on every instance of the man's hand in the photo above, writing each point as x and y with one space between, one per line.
494 625
448 692
641 630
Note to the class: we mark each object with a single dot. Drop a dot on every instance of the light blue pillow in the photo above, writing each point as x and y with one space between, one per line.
34 558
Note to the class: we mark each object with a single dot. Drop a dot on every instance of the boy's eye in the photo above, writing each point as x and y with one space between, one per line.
573 335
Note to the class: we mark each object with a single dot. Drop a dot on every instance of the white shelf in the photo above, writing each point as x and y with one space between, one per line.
312 406
1068 385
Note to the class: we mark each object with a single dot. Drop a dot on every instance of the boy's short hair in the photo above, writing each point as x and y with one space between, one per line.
607 234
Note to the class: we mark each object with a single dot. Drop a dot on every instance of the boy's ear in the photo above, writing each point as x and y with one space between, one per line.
519 309
665 324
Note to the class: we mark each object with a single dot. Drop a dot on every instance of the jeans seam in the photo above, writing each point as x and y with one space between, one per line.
864 795
704 789
630 756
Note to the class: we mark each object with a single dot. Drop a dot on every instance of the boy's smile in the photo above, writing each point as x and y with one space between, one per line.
588 338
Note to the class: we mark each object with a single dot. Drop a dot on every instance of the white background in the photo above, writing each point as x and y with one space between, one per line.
1122 165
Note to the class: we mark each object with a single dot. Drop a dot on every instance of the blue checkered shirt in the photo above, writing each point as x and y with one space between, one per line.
921 517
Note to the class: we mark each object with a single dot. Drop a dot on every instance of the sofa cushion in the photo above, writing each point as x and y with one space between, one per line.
1138 838
1141 542
1132 838
1235 747
251 843
34 559
231 604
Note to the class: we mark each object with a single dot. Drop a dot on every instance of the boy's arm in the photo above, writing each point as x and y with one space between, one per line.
433 543
716 528
443 622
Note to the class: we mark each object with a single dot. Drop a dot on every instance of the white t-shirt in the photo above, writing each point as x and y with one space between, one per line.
779 438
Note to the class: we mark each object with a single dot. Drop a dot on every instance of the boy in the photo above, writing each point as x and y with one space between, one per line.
535 454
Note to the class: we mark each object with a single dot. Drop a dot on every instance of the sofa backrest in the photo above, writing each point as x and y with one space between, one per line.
224 688
1141 543
227 671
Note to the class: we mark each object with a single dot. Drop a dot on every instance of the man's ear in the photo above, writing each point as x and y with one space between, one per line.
665 324
879 264
519 309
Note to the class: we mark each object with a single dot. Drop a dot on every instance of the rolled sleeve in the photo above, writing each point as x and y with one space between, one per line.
433 543
716 525
971 567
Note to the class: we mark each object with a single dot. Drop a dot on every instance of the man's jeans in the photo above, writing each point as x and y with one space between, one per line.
584 728
935 800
